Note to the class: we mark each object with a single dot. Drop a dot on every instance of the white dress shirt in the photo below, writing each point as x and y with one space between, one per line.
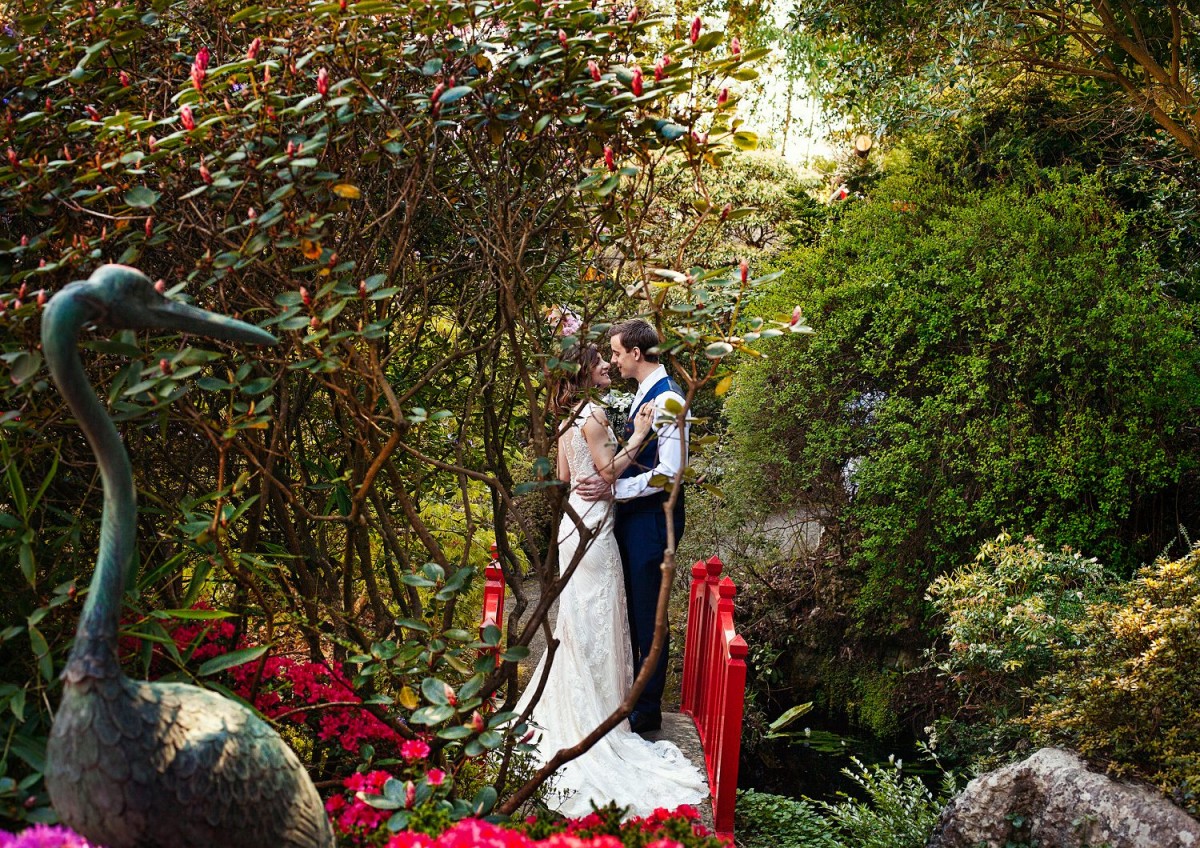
672 449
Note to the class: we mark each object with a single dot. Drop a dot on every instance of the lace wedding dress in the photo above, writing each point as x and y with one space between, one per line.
592 672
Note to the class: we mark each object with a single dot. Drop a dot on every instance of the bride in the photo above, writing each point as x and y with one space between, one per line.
592 669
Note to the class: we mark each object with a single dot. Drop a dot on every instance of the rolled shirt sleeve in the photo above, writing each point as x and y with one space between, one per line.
672 454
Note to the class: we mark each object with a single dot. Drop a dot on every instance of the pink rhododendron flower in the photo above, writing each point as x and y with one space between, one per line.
636 82
610 159
723 97
695 31
202 57
735 46
435 777
414 749
410 840
186 117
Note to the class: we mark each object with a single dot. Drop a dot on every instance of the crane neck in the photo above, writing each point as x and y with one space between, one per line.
94 653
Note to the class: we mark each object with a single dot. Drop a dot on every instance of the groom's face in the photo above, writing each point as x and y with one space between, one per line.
624 361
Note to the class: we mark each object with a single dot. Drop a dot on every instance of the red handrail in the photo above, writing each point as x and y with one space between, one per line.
714 684
493 594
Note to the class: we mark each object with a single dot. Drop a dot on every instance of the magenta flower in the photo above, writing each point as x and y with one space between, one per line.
735 46
323 82
636 82
414 749
186 117
435 777
610 159
594 70
695 32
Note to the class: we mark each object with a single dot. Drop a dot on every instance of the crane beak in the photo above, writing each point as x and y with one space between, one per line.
172 315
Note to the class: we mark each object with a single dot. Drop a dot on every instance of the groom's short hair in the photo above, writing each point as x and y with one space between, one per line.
637 333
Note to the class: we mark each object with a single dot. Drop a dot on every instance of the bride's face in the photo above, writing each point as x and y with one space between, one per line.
600 378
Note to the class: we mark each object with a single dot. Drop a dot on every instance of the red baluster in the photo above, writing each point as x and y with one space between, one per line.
493 593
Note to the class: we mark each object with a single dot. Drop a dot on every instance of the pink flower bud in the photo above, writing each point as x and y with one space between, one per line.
291 148
362 289
636 82
314 323
41 298
723 97
266 75
198 74
305 297
660 70
92 113
186 118
342 5
16 303
437 92
797 317
24 241
49 104
204 174
610 159
735 46
160 286
695 31
725 210
21 290
202 57
477 724
124 77
744 269
594 70
562 39
451 697
700 138
251 214
322 82
152 143
149 226
255 46
633 15
165 366
410 793
13 158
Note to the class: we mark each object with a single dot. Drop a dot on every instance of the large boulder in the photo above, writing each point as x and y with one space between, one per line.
1054 799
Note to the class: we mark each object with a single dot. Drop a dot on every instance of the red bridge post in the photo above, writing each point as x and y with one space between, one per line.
493 594
714 684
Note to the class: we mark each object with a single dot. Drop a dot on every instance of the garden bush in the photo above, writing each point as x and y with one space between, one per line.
985 360
1128 695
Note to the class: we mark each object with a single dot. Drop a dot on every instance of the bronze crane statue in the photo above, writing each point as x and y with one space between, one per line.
133 764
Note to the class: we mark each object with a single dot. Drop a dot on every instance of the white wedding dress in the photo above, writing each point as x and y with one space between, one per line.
592 672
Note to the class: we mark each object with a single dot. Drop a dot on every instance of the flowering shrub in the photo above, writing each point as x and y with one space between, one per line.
396 189
427 823
45 836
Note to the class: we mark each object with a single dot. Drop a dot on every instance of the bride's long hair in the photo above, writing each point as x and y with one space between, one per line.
572 388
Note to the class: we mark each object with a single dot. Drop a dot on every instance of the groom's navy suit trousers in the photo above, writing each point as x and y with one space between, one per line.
641 531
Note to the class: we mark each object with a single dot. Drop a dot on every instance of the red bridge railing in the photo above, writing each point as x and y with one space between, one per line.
493 594
714 684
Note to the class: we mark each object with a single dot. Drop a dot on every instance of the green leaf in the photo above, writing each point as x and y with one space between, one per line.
454 94
25 366
745 140
195 614
140 197
434 691
232 659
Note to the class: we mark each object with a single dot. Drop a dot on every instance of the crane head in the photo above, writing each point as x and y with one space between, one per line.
125 298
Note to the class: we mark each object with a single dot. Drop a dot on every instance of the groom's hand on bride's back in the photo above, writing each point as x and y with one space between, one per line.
594 488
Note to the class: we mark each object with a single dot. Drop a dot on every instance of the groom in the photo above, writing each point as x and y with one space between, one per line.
641 522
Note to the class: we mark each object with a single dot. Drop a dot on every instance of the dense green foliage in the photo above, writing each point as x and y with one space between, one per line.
986 358
894 810
992 359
